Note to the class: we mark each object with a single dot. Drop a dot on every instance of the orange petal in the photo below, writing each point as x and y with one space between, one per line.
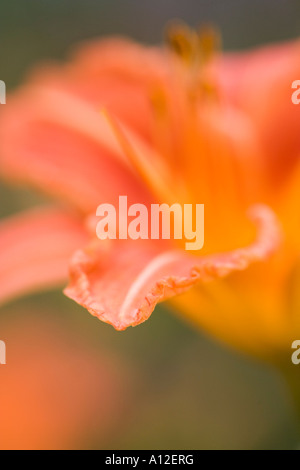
260 82
122 285
62 145
117 72
144 159
35 248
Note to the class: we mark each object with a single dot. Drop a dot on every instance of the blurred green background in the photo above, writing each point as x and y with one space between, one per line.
184 390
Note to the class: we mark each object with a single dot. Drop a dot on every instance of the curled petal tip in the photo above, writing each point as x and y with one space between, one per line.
124 293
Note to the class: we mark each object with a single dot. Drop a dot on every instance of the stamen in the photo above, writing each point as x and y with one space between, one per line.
194 50
159 102
191 46
183 42
161 123
209 43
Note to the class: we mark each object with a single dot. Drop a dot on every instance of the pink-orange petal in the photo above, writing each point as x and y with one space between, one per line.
114 73
260 83
122 285
62 145
35 248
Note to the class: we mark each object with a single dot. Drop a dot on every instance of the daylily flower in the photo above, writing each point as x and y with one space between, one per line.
178 124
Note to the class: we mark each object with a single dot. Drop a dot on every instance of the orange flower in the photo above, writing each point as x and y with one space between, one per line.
158 125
